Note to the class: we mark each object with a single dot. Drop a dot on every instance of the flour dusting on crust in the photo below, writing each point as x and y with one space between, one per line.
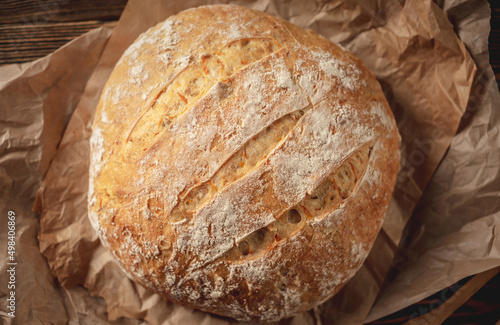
214 128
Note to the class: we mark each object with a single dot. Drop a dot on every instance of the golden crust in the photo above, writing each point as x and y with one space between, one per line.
240 164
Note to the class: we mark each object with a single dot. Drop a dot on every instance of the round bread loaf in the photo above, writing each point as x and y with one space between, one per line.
240 164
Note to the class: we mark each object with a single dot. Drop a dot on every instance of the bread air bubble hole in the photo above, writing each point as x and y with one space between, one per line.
244 247
294 216
260 235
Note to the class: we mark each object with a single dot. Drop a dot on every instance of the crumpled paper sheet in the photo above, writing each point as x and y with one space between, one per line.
404 44
37 100
429 91
455 231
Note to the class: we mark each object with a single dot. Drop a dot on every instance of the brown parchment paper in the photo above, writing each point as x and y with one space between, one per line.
426 73
36 102
455 231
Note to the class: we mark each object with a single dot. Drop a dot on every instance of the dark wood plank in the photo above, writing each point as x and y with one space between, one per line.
443 312
36 12
23 43
30 29
482 308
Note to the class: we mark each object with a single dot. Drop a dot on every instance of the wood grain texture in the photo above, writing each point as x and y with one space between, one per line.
22 43
439 314
481 307
32 29
39 12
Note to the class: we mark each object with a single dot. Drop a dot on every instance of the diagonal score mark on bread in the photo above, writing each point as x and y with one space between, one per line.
200 195
241 162
192 200
194 81
327 197
348 170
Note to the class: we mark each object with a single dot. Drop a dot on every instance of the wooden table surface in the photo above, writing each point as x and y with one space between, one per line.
31 29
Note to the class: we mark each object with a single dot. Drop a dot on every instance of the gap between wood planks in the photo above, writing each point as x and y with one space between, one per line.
441 313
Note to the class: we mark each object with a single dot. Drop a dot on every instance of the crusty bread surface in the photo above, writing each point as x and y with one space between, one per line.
240 164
